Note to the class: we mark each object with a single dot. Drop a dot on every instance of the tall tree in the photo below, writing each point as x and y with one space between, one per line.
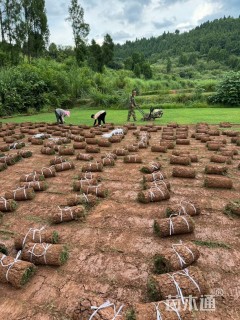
108 49
35 27
96 59
80 30
10 22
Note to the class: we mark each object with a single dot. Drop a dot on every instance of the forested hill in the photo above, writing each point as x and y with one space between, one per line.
216 40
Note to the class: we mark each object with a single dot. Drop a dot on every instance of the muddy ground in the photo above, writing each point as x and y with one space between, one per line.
110 254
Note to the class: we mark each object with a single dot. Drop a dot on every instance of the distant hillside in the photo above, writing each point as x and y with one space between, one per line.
218 40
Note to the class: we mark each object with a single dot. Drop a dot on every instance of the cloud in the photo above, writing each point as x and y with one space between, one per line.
130 19
164 24
120 35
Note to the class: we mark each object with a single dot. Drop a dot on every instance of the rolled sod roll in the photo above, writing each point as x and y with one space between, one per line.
45 253
77 185
186 161
181 136
132 159
84 156
64 166
15 271
110 155
47 172
132 148
213 132
121 152
3 166
25 153
98 190
211 169
91 140
79 145
66 151
89 175
180 224
161 310
92 149
183 141
36 236
151 167
86 199
156 194
220 159
227 153
36 141
36 185
4 148
168 144
182 172
7 205
47 150
68 214
57 160
115 139
10 159
183 283
89 135
233 207
213 146
49 144
205 138
92 167
78 139
31 177
159 149
168 137
108 162
184 207
20 194
158 175
218 182
142 145
177 257
104 143
157 183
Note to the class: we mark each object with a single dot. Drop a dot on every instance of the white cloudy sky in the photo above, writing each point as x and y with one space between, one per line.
131 19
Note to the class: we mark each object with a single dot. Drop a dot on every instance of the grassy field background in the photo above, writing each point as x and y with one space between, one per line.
181 116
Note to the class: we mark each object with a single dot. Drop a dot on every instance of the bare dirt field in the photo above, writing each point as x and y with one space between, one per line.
111 252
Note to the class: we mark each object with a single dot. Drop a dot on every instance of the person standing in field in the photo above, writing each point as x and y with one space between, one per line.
60 114
99 117
132 105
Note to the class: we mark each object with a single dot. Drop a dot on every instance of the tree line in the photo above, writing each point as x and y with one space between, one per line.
218 40
24 33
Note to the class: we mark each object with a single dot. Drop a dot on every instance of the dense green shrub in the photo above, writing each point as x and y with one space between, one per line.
228 91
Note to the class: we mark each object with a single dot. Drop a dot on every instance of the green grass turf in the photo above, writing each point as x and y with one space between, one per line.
181 116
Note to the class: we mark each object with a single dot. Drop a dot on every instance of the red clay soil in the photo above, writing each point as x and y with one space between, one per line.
110 254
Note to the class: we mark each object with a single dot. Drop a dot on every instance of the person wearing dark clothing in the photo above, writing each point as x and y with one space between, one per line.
99 117
132 105
60 114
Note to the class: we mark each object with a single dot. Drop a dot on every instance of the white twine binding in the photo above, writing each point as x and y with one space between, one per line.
184 272
45 247
174 308
4 201
181 259
65 210
184 209
11 264
105 305
34 231
171 226
18 189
